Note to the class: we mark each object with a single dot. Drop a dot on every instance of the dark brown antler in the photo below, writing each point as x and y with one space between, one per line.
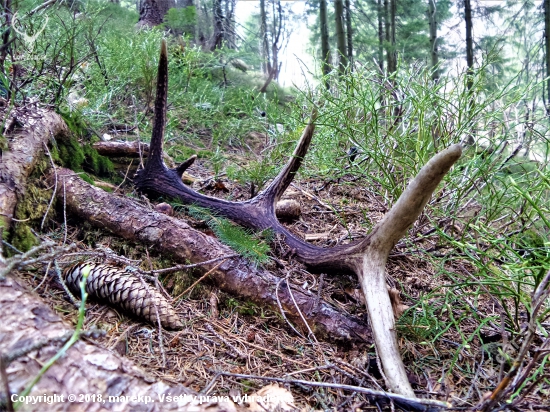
367 258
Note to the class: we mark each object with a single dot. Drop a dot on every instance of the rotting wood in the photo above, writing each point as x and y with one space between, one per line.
85 368
131 150
121 149
366 258
23 152
174 237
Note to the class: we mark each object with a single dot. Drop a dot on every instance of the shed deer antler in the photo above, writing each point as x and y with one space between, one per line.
367 257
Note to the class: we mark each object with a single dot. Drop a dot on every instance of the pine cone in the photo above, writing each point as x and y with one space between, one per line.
123 290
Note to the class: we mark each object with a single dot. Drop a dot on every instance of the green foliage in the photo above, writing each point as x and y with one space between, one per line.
255 172
412 30
182 19
253 247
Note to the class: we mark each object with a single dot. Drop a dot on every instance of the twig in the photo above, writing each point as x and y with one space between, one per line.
24 259
54 187
199 280
178 268
300 312
159 325
64 213
283 312
228 344
62 281
41 7
503 388
125 176
392 396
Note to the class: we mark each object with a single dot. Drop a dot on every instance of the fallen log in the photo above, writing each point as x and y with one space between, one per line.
122 149
174 237
23 152
31 333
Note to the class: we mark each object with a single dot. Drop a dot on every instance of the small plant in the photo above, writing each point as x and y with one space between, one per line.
253 247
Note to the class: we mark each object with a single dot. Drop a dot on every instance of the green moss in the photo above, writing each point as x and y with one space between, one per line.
23 238
100 165
87 178
29 212
78 157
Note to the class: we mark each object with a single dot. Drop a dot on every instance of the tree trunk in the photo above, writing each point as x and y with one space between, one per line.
433 39
470 62
325 50
229 26
21 157
7 15
340 35
388 34
152 12
85 368
380 14
349 33
217 38
469 43
547 44
237 276
393 51
266 65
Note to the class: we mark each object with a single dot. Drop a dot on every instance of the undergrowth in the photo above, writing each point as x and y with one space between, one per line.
252 246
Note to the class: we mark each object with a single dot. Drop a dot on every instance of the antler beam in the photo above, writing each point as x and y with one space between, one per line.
367 258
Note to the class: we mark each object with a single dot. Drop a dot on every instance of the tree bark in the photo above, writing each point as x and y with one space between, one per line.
266 65
237 276
349 33
380 14
217 38
325 50
547 45
152 12
84 369
340 35
23 152
432 19
469 44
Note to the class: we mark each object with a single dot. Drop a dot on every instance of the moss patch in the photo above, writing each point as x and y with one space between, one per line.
30 211
79 157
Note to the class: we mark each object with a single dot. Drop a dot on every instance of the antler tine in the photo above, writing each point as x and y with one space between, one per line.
281 182
372 254
159 122
412 201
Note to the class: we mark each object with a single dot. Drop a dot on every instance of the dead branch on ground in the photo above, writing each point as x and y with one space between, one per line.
126 218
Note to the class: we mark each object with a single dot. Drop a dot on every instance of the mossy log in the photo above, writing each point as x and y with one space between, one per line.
24 150
237 276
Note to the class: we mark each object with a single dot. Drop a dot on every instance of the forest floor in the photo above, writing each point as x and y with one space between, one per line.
222 332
